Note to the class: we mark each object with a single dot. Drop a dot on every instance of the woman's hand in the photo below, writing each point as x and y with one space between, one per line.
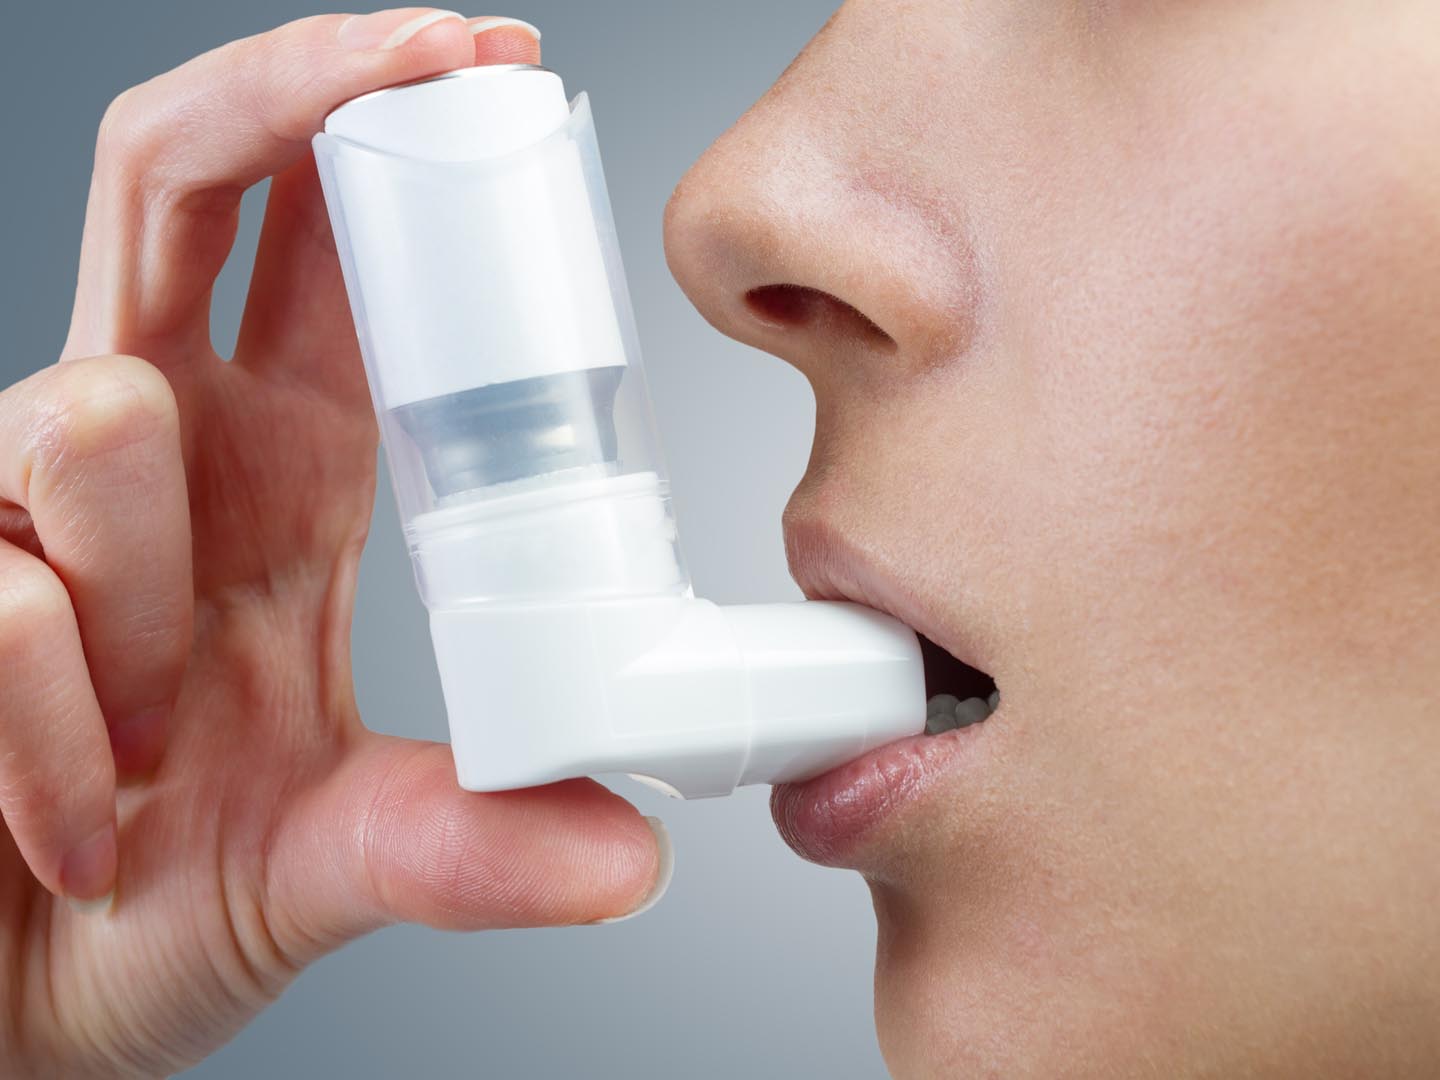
179 539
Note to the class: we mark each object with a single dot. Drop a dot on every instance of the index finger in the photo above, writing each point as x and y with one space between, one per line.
175 154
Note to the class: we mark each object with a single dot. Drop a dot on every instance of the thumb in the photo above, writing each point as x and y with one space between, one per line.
389 837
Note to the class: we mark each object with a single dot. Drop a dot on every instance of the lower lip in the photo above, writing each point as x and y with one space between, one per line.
830 818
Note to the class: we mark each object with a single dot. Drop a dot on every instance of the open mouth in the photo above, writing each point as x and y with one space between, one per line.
826 819
957 694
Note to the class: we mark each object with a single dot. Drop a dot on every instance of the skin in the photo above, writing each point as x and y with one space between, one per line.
1121 324
1121 320
179 539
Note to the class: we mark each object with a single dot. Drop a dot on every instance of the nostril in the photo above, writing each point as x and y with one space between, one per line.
787 305
799 306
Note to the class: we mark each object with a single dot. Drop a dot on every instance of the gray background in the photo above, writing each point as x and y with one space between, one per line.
755 964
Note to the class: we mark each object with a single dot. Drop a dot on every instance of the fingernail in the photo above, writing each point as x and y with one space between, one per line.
663 874
93 907
388 29
88 872
496 22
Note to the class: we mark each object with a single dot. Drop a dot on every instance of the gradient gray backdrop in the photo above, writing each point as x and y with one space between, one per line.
755 964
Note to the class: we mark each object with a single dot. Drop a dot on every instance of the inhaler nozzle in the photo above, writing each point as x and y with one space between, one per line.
479 253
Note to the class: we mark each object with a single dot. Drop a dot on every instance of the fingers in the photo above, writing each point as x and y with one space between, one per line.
297 319
175 154
500 40
92 451
57 778
297 322
391 837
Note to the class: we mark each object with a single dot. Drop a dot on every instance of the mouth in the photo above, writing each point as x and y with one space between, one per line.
829 818
958 695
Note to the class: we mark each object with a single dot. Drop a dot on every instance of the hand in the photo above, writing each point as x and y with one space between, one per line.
179 540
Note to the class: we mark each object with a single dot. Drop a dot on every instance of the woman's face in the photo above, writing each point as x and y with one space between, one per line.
1123 327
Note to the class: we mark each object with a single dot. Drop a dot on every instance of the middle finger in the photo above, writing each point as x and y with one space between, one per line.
92 451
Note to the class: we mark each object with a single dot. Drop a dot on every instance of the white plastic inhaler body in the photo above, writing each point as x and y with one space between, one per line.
484 275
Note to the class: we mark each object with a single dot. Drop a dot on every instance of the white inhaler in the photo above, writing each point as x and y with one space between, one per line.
481 261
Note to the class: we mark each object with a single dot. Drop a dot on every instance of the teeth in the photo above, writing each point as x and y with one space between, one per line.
971 711
939 723
941 703
945 712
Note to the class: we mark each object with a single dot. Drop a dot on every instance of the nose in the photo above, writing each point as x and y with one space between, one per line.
804 234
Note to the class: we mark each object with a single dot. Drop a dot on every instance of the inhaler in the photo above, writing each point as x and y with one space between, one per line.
480 257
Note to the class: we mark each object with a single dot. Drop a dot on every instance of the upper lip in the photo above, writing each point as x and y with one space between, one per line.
828 565
828 818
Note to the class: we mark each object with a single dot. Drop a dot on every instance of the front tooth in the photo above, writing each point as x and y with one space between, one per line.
994 700
941 704
971 711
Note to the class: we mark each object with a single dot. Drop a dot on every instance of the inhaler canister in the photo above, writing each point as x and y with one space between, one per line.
479 253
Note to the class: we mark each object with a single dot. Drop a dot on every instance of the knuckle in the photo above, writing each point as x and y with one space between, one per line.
104 404
134 151
27 796
32 601
40 799
122 128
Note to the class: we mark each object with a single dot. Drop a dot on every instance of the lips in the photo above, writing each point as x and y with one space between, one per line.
834 818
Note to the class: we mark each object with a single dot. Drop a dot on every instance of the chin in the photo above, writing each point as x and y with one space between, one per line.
1001 990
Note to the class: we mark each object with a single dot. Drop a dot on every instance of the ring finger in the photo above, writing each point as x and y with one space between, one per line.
57 776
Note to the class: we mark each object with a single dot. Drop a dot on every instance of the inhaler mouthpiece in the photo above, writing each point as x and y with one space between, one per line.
480 256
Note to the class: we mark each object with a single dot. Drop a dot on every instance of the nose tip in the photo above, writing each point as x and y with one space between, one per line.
703 249
755 253
783 242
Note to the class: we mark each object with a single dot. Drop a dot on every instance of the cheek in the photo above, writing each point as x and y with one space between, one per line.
1217 399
